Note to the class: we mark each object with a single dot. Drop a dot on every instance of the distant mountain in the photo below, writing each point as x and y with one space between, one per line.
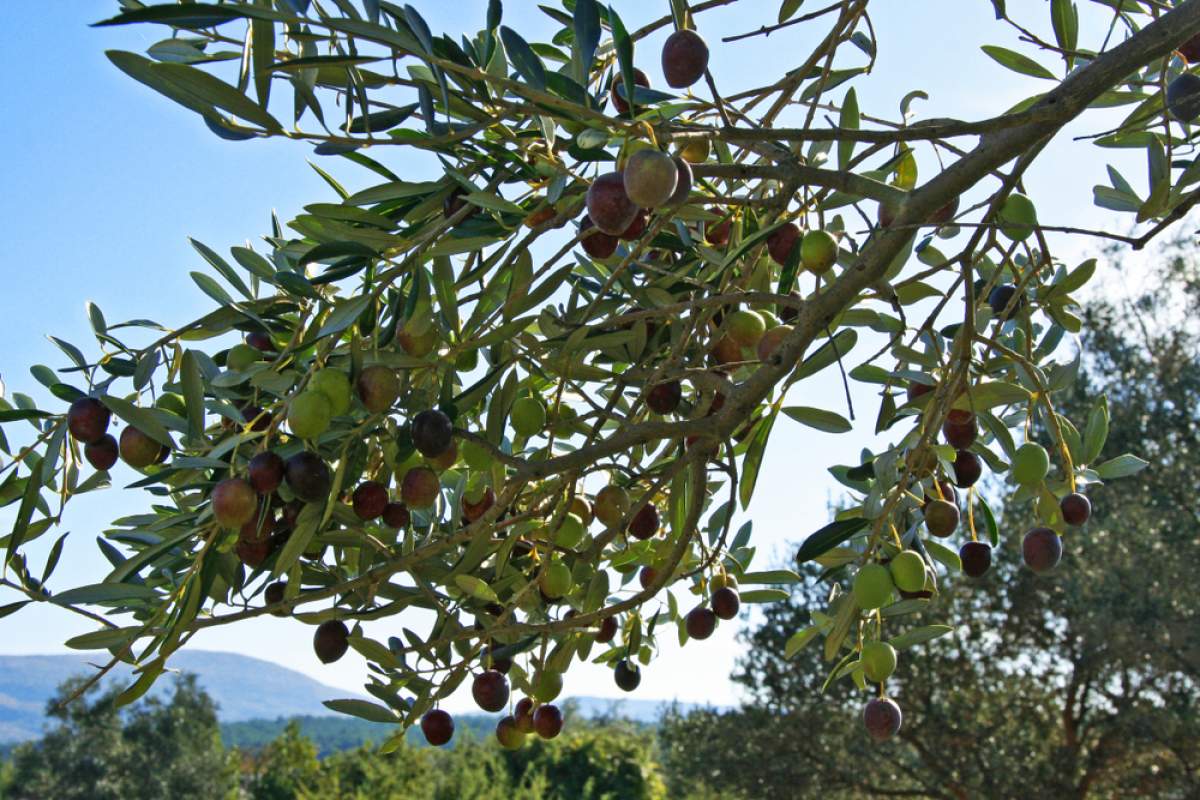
262 690
252 709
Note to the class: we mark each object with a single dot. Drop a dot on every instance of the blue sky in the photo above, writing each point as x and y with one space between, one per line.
105 180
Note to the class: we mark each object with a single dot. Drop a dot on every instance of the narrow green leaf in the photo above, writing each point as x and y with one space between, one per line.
919 636
523 59
753 459
363 709
1121 467
1017 62
829 537
819 418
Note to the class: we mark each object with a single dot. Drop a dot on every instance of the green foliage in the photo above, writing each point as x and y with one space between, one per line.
426 294
1082 685
158 749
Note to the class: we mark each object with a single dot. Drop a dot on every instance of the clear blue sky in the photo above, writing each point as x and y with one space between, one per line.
105 180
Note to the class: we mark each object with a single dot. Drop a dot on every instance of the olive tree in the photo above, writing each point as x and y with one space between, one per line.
505 410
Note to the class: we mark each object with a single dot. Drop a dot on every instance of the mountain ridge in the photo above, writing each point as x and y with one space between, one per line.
264 691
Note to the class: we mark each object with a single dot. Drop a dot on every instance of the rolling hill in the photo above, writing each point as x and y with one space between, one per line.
255 706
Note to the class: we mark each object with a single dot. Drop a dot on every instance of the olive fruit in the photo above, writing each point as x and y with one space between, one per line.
102 453
87 419
1030 464
432 432
882 718
968 468
555 582
941 518
873 586
818 251
547 685
608 206
395 515
650 177
1076 509
1183 97
596 243
627 675
1017 216
138 449
611 506
908 571
420 487
701 622
745 327
509 733
528 416
378 387
619 102
645 522
1041 549
369 500
664 397
782 241
438 727
309 414
234 503
335 385
878 661
265 472
684 58
547 721
331 640
726 602
976 558
307 476
490 690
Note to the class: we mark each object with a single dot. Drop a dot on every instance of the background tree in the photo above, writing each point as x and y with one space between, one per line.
1081 685
421 418
161 748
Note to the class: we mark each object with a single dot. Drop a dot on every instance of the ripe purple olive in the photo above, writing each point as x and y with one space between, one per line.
523 715
726 602
547 721
265 472
627 675
960 429
87 419
369 500
609 208
1076 509
596 243
608 630
684 58
783 241
976 558
432 432
1041 549
438 727
474 508
882 718
968 468
701 622
490 690
645 522
619 102
331 640
395 515
308 476
664 397
102 453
